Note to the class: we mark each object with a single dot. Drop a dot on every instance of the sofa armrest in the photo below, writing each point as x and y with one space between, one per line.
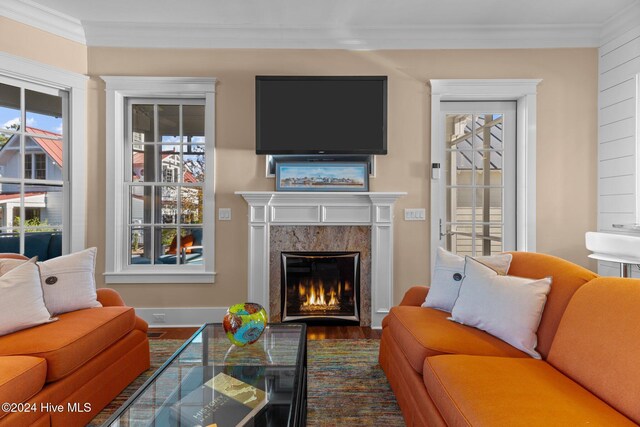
415 296
12 256
109 297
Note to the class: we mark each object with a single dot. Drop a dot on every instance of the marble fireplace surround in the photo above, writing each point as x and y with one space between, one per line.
295 210
314 238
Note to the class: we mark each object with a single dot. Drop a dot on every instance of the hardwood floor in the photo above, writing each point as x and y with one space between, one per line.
313 333
342 333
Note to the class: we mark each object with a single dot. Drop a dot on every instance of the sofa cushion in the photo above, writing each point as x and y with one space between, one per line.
69 343
55 246
422 332
37 244
480 390
598 342
566 277
21 377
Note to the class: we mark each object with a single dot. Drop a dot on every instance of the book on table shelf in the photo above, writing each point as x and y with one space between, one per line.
223 401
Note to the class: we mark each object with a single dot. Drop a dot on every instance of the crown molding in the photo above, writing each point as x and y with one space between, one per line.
31 13
163 35
152 35
623 21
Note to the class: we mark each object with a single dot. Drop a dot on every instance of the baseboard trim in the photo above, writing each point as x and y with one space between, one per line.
175 317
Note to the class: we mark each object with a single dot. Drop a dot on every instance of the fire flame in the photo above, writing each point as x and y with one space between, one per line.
317 296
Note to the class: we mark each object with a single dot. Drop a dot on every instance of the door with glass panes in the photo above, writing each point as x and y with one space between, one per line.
477 203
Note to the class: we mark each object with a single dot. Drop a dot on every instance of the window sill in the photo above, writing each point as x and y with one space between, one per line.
160 277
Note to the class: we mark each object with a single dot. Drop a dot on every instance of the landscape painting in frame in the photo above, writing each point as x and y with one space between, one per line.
322 176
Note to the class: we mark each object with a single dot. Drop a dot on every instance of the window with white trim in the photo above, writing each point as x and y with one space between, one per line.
165 142
39 203
160 180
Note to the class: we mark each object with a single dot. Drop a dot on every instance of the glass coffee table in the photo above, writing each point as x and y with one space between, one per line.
209 381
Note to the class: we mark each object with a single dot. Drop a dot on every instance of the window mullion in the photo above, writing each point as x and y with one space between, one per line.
179 191
157 161
473 185
23 122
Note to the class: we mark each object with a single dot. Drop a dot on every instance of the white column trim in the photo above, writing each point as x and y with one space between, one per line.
524 92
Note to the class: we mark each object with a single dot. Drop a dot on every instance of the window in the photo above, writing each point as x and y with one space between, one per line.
166 217
42 112
35 166
161 193
33 120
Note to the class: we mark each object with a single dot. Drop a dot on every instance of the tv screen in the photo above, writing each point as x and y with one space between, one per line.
321 115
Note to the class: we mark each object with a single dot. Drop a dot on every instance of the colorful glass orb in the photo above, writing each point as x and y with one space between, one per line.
244 323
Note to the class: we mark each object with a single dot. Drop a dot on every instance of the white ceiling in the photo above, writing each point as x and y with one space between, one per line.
330 23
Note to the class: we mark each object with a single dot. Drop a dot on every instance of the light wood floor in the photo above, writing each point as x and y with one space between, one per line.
313 333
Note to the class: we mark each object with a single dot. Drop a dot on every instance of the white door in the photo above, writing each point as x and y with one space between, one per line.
476 203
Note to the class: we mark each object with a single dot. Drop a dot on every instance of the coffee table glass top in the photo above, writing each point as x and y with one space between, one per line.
209 380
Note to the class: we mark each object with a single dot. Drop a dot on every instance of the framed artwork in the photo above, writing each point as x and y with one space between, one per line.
322 176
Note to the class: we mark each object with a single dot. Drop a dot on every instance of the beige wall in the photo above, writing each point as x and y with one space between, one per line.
28 42
566 155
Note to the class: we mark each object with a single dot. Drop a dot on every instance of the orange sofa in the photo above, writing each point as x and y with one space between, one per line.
447 374
63 373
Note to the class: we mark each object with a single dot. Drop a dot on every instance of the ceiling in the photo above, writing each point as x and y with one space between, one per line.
357 24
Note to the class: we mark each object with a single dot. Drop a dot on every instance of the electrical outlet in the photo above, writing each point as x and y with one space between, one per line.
224 214
415 215
158 318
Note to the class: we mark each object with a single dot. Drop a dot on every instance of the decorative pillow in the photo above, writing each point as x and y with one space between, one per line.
507 307
69 282
21 302
448 273
8 264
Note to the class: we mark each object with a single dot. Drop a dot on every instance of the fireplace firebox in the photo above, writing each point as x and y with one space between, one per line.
319 287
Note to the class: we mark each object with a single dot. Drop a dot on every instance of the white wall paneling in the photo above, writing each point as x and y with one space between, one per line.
618 136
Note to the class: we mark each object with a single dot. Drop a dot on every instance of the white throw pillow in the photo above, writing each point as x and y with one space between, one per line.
507 307
69 282
448 273
21 302
8 264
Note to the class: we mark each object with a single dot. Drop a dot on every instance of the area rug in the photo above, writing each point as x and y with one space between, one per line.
346 386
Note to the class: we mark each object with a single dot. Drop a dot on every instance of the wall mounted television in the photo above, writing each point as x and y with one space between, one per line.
321 114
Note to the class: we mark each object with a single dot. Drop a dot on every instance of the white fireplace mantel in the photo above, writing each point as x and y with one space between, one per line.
267 208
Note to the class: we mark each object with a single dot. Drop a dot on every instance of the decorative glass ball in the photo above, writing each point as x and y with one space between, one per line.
244 323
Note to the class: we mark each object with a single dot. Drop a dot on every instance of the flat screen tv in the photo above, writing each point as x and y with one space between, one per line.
321 115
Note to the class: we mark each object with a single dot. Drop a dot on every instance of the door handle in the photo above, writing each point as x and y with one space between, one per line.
446 233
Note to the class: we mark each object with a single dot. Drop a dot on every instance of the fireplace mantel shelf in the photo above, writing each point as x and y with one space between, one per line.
315 196
375 209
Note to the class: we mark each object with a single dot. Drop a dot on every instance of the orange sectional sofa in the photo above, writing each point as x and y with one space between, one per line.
82 361
447 374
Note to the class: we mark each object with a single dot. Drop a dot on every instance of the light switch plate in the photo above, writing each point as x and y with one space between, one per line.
224 214
415 215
